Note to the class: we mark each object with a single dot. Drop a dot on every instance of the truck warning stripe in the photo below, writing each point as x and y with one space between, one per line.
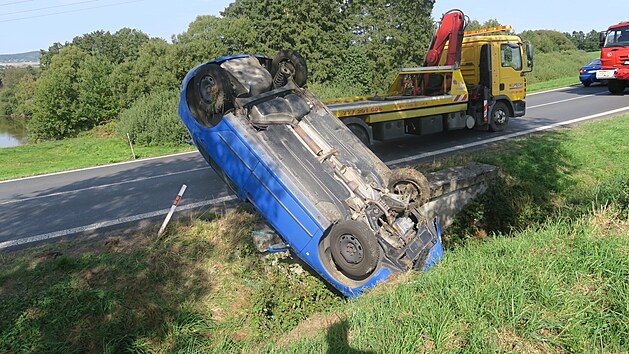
460 98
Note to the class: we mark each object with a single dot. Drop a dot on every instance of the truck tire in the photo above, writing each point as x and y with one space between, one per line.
294 62
616 87
354 248
411 184
499 117
360 133
209 95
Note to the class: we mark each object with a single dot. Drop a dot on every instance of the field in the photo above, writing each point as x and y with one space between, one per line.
539 264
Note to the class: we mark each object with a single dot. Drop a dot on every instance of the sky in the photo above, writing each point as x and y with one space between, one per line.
27 25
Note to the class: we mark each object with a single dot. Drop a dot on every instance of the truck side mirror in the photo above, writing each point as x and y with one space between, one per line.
601 38
529 54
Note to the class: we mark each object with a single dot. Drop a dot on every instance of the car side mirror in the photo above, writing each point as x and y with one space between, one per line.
601 38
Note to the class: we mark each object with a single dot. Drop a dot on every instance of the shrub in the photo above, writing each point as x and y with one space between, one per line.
153 120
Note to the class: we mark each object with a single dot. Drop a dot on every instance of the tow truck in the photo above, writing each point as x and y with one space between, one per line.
615 57
474 79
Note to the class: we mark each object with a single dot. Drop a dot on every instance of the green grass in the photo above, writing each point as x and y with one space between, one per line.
540 263
556 83
84 151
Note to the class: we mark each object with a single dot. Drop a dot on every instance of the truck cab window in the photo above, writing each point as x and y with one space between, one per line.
510 56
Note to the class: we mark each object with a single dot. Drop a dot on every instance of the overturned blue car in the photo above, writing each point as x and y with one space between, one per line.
333 202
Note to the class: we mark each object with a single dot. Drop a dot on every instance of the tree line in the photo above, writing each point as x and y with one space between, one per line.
122 79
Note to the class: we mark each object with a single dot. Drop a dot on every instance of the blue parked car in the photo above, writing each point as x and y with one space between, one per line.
333 202
587 74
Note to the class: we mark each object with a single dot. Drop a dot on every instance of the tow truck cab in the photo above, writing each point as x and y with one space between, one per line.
494 68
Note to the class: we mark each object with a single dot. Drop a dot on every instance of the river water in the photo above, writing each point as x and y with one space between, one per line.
11 133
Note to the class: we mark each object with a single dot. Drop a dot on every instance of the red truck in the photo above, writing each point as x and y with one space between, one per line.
615 57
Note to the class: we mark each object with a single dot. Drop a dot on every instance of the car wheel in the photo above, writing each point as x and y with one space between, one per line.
289 63
411 184
586 83
354 248
499 117
209 95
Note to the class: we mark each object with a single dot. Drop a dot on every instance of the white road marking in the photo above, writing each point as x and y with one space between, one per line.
503 137
551 90
101 186
108 223
560 101
97 167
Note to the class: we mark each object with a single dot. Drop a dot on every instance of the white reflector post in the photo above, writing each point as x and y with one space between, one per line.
172 210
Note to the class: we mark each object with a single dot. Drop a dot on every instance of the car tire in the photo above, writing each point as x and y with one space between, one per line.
209 95
294 62
586 83
411 184
354 249
499 117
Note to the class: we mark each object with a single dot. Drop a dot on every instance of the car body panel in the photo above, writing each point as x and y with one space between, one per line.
587 73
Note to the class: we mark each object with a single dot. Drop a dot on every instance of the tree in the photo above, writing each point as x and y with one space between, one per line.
24 94
476 25
548 41
591 41
209 37
316 29
47 55
9 82
116 47
56 97
155 69
394 33
95 101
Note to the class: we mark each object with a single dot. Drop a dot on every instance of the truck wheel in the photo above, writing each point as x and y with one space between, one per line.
499 117
360 132
411 184
616 87
289 63
354 249
209 95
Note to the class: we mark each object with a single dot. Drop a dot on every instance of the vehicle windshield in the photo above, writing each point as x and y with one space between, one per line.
617 37
594 62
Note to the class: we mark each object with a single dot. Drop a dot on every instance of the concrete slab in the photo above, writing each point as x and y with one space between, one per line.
453 188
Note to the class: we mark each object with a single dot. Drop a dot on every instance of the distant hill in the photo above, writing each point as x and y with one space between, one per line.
20 57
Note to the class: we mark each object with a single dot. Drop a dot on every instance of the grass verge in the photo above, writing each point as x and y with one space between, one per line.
90 149
539 264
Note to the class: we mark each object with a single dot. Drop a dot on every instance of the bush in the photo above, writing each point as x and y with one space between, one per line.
153 120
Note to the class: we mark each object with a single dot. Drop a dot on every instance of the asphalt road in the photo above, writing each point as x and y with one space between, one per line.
129 195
